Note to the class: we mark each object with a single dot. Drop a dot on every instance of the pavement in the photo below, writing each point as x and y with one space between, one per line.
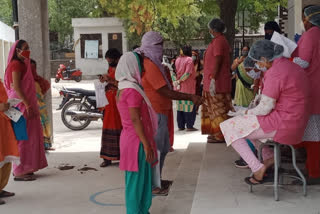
205 180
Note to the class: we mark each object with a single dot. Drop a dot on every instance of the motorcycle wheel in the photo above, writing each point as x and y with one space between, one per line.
57 80
78 79
70 121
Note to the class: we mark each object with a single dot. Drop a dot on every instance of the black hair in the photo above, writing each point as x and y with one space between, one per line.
246 46
272 25
187 50
217 25
33 62
18 46
113 53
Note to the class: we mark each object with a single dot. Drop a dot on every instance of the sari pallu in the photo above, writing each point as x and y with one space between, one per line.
215 112
243 94
32 152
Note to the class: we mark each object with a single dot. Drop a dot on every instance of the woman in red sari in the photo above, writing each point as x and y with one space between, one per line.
19 83
111 120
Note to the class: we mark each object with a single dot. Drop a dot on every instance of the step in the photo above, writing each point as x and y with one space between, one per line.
180 198
221 189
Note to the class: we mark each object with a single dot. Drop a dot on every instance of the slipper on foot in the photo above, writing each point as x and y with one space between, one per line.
257 182
5 194
28 178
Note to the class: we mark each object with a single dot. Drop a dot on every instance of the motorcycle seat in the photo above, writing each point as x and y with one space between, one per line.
83 91
72 70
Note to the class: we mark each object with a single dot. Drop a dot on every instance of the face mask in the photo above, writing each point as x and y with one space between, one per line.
113 64
25 54
268 36
212 36
263 69
244 53
194 58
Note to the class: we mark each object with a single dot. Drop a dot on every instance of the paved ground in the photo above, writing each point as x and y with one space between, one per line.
73 191
217 186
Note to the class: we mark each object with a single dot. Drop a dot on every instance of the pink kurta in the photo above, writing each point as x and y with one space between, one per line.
218 47
309 50
129 140
288 85
185 65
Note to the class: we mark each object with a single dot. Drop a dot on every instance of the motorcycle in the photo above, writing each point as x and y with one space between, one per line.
78 108
65 73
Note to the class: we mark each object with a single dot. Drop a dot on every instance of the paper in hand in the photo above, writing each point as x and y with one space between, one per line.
289 46
101 99
14 101
13 114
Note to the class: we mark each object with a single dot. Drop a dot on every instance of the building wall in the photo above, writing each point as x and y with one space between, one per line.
95 26
7 37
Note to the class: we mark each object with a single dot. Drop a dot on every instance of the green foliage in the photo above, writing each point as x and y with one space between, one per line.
61 13
6 12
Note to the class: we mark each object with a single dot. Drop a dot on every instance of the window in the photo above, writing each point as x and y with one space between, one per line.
91 46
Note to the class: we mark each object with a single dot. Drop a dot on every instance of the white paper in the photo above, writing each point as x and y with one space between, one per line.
91 49
101 99
14 101
289 45
13 114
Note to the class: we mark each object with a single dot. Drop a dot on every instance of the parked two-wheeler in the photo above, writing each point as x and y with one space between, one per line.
65 73
78 108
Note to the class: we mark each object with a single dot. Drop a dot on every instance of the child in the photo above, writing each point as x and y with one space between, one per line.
137 147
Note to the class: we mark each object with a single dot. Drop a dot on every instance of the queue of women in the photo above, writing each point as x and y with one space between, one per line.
281 93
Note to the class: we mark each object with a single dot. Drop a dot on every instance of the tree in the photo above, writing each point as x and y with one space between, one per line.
6 12
61 13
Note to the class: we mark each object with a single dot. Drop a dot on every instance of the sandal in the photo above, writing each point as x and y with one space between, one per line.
2 202
166 184
248 181
5 194
215 141
160 192
25 178
105 163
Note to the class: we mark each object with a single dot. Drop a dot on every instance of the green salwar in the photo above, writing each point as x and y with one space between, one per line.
139 186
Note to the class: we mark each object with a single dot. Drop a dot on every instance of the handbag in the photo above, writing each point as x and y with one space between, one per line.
20 128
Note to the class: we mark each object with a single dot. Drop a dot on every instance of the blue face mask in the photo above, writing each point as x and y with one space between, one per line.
263 69
212 36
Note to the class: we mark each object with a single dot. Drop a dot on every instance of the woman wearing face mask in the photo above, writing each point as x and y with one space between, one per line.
282 113
186 83
112 126
19 83
307 55
245 75
269 28
216 83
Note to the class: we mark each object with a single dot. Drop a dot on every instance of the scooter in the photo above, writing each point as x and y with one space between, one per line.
65 73
78 108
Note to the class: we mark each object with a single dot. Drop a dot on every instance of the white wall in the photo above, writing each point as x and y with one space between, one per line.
96 26
7 37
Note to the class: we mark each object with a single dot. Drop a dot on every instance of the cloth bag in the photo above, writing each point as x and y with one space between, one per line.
20 129
101 99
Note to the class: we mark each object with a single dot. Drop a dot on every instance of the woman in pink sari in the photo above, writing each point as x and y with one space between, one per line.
19 83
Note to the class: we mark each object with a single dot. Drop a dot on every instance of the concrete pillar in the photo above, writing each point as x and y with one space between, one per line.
34 28
294 17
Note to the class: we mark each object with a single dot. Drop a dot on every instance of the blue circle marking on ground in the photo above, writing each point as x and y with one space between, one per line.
93 199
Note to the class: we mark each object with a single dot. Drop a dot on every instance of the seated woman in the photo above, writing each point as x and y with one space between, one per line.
282 113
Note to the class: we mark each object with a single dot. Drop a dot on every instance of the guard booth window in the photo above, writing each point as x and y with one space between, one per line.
91 46
115 41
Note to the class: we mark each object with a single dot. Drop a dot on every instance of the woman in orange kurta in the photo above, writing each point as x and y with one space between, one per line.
9 151
112 126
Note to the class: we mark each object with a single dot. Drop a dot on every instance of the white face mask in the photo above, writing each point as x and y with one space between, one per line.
263 69
212 36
